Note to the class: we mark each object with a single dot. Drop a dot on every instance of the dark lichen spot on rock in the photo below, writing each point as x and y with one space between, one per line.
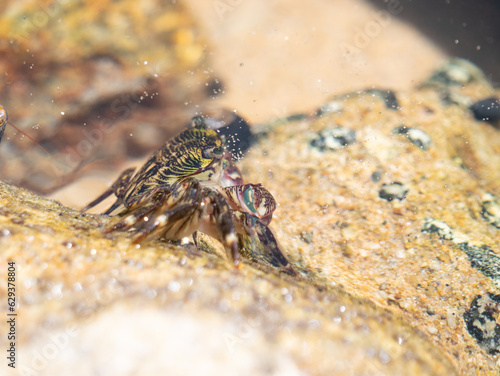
388 96
487 110
440 228
456 72
392 191
417 137
295 117
306 237
333 138
335 105
481 257
484 259
481 320
490 209
376 176
452 77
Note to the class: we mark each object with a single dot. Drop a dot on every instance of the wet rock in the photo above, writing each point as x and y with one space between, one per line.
333 138
393 191
482 322
417 137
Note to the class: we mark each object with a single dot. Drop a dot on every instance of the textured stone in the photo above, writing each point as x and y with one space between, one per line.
374 248
159 308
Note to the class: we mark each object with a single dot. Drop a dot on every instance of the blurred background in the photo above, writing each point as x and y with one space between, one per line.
101 84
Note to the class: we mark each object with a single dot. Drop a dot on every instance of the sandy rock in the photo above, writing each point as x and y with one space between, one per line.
118 309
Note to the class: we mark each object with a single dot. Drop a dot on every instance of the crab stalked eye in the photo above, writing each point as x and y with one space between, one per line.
216 152
248 199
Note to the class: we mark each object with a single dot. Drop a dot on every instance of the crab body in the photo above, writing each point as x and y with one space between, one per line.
191 184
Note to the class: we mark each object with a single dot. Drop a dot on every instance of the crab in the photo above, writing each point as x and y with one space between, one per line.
3 120
191 184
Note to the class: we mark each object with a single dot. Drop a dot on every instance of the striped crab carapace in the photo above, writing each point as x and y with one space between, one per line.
191 184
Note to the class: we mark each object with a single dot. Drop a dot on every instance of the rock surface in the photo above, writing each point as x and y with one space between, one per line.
120 309
429 255
385 287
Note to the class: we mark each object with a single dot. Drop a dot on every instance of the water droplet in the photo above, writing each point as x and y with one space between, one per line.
174 286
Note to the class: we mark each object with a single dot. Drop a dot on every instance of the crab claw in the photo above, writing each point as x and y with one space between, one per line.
252 199
3 120
261 243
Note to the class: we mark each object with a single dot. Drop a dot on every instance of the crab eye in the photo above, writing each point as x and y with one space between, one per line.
210 153
249 200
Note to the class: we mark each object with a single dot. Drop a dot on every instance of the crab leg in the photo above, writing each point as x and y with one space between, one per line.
261 242
137 214
118 188
226 230
162 220
253 207
180 209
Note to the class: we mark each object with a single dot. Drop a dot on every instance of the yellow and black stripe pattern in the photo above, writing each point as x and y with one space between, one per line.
196 152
